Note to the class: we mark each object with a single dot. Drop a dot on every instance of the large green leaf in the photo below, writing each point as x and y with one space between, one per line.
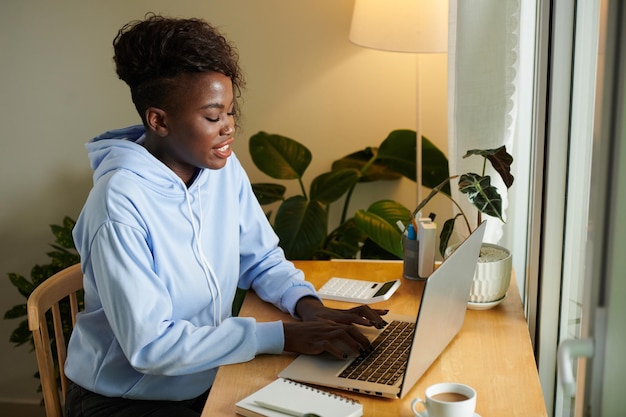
21 334
278 156
63 233
301 226
396 157
435 168
391 211
24 286
16 311
40 273
62 257
338 249
344 242
330 186
398 152
379 231
371 250
379 222
268 193
378 171
482 194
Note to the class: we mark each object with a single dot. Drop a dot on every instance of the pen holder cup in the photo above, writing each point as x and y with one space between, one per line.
410 258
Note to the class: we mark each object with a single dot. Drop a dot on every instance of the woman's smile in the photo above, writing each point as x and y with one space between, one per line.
196 131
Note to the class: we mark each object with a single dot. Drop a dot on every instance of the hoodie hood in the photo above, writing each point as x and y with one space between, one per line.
123 149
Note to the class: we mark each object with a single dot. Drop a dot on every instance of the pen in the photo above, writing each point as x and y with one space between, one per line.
414 223
411 234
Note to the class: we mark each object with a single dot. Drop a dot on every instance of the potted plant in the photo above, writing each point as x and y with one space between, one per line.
63 255
301 220
493 272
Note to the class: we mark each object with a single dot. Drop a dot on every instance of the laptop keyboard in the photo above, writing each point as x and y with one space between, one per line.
387 362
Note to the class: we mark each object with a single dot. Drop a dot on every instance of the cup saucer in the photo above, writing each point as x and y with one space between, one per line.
425 414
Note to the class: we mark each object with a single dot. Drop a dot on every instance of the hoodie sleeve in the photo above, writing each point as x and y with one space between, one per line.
139 310
264 267
144 281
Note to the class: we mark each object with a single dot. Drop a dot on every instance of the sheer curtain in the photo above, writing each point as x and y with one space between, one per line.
483 62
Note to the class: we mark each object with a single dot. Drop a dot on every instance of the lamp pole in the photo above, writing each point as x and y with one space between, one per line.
414 26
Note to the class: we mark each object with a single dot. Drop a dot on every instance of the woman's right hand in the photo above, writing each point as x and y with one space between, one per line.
319 336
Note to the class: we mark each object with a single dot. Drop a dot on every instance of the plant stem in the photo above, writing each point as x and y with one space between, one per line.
434 192
369 163
461 211
346 203
344 212
479 216
302 188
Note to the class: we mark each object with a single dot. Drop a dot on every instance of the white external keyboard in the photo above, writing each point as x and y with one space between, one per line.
357 291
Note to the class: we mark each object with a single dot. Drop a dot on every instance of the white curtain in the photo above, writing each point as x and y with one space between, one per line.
483 61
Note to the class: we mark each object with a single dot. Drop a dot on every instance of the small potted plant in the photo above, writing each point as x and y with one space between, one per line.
493 271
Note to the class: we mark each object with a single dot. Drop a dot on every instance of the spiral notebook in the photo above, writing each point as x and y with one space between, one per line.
294 398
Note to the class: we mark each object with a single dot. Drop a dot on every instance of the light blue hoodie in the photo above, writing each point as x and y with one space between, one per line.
161 265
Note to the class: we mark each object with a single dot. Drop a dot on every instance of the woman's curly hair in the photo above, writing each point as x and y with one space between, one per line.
151 53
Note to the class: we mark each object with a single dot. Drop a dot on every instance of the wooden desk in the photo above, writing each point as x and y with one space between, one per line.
492 352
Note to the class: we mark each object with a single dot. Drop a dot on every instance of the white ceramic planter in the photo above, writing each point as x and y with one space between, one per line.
493 274
492 277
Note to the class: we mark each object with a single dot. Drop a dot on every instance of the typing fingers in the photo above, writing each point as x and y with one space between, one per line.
317 337
364 315
346 342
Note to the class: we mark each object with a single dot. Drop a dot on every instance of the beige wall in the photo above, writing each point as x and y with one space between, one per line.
58 89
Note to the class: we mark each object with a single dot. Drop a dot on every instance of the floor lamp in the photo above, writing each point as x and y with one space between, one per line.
417 26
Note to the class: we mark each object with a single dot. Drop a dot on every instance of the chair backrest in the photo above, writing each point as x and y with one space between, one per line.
48 297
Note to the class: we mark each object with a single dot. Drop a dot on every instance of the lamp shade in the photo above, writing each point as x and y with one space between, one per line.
401 25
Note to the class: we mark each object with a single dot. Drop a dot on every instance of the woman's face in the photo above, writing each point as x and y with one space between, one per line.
198 125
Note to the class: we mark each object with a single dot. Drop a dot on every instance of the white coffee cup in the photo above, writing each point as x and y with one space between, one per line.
447 399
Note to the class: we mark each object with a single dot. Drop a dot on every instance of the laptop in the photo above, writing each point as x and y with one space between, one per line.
439 318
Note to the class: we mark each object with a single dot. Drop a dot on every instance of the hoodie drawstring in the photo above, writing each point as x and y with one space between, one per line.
206 266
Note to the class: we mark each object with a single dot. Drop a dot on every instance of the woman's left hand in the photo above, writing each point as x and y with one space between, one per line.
309 308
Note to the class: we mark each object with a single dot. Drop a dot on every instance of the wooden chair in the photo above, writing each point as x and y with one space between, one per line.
47 297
